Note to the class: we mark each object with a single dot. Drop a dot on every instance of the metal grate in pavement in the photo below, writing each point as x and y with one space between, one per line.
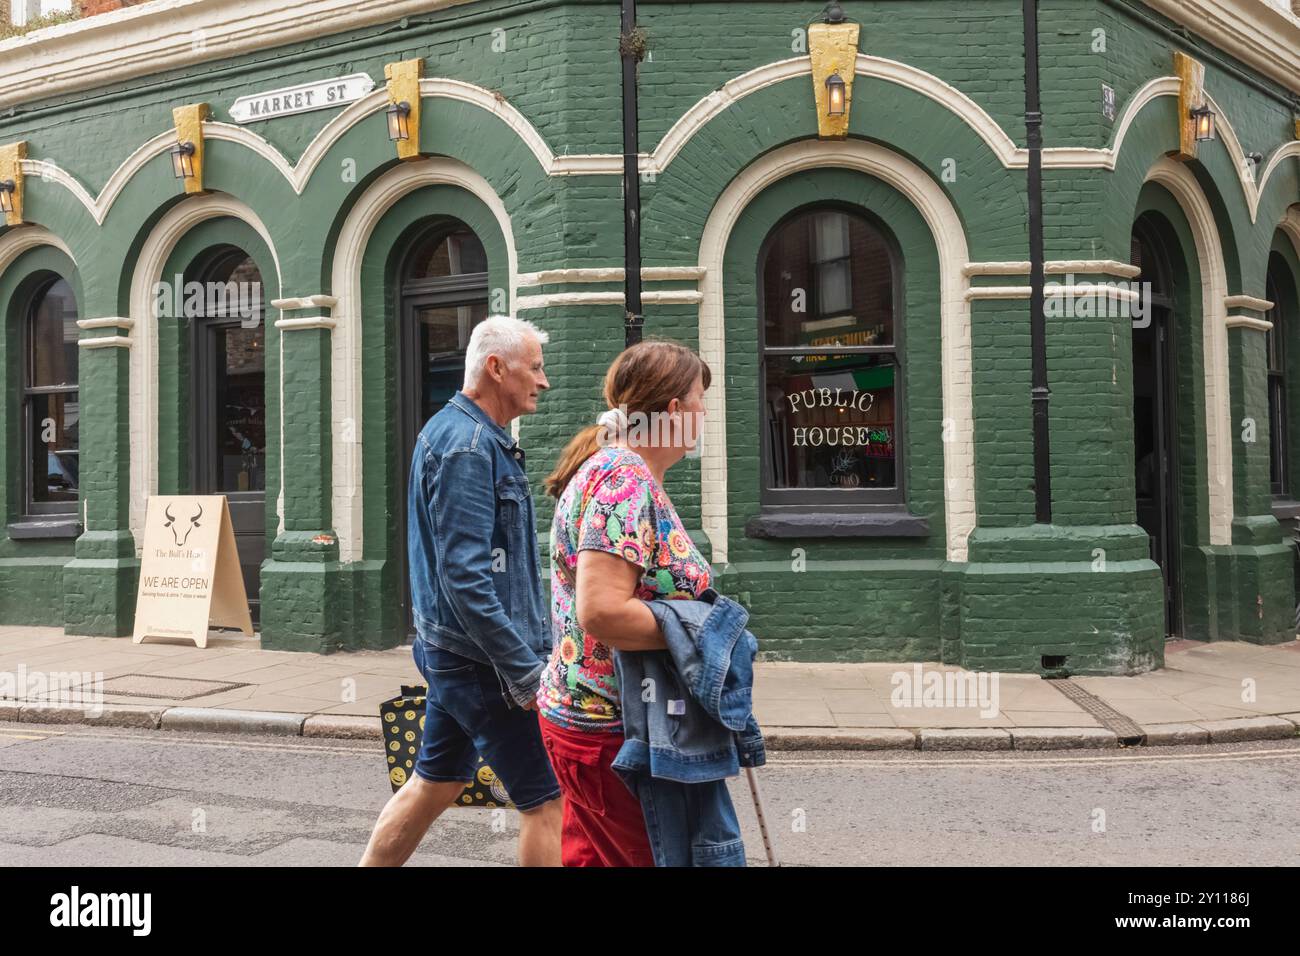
1123 727
161 686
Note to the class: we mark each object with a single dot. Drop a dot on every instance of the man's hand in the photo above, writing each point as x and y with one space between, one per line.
531 705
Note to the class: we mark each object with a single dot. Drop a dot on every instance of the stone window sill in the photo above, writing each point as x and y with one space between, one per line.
1284 509
54 526
883 523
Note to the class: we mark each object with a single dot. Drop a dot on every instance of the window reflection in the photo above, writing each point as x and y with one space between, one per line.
831 416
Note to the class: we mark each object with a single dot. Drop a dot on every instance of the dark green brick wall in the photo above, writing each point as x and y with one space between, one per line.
857 599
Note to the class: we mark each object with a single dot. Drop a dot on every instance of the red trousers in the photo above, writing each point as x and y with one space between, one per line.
603 825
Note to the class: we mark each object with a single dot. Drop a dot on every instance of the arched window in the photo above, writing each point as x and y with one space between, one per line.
51 411
832 392
443 296
1276 351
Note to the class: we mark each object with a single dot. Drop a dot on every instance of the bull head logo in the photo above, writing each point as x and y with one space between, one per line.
171 523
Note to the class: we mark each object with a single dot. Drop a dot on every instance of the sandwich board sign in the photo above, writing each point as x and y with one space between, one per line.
189 570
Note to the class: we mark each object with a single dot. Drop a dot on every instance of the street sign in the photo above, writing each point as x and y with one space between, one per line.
189 570
319 95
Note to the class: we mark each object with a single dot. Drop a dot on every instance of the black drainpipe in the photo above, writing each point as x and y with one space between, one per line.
631 54
1039 392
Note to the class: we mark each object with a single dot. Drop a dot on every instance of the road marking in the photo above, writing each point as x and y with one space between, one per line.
1022 762
1130 757
18 736
177 738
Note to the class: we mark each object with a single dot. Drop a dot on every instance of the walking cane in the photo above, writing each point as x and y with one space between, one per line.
762 818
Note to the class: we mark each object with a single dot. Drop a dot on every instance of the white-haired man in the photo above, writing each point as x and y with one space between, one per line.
483 634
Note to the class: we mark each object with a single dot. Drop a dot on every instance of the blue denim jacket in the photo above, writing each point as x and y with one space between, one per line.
695 729
476 586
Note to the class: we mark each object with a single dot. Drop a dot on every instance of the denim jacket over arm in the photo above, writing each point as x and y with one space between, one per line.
688 725
472 547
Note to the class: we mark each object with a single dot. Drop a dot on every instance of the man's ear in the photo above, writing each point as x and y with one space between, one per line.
495 367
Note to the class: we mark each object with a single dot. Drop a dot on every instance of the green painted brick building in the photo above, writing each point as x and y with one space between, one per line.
859 285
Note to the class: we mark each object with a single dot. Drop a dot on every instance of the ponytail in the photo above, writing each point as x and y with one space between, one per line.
643 378
581 447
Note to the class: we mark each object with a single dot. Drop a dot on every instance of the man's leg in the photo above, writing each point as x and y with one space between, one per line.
406 818
539 834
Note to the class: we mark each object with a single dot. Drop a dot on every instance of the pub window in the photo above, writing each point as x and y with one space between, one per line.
1276 350
51 412
832 392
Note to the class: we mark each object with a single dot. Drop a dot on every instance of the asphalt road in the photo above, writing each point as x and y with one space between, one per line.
80 796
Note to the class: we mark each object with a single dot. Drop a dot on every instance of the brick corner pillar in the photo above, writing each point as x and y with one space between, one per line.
303 592
1256 583
99 583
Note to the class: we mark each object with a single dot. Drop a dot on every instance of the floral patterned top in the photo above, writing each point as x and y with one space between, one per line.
614 504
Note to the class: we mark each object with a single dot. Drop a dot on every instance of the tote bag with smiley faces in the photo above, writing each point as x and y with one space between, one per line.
402 719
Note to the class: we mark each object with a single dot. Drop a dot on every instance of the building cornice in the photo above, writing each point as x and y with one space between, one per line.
1259 35
171 34
166 35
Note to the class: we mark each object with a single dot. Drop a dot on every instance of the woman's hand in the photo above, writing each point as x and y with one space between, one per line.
607 607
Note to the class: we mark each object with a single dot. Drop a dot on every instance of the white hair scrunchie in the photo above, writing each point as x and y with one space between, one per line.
613 423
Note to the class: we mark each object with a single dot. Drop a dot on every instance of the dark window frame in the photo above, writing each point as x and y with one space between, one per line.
834 501
218 266
469 288
33 509
1275 343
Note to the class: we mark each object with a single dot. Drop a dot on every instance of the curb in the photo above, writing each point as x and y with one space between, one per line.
347 727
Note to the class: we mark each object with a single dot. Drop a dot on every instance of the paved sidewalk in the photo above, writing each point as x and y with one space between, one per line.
1205 693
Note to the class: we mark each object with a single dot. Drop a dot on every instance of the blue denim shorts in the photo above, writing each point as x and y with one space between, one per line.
467 716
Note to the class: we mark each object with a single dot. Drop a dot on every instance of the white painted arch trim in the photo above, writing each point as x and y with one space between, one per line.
1290 225
17 241
686 127
346 338
143 395
298 175
955 346
1180 182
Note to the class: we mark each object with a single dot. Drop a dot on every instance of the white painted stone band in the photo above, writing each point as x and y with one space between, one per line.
609 274
1108 267
305 302
109 322
1247 302
306 322
1082 290
571 299
1249 322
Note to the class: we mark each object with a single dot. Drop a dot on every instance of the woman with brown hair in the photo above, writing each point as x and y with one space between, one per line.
616 541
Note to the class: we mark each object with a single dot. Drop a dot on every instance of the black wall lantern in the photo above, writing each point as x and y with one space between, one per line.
183 160
835 95
398 116
1203 123
7 190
